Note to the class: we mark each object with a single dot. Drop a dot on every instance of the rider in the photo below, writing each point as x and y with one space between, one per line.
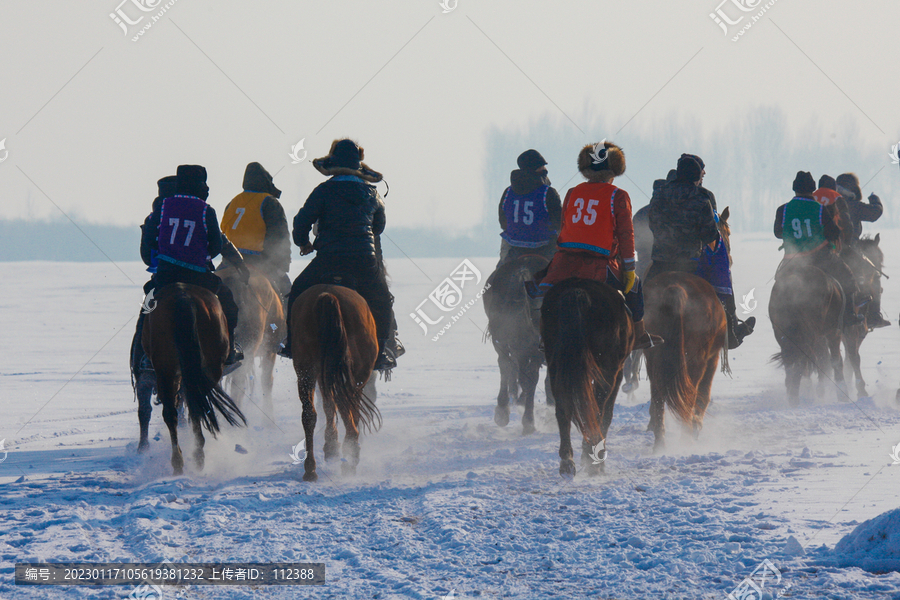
859 211
185 249
810 232
597 237
684 221
350 213
827 195
529 211
254 221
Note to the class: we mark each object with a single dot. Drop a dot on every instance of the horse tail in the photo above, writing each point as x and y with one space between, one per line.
672 380
795 348
573 369
336 366
203 395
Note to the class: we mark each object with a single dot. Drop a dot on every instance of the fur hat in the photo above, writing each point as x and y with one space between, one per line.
611 163
345 158
827 182
848 184
167 186
192 181
804 183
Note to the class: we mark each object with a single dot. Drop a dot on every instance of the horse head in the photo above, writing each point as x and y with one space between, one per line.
725 230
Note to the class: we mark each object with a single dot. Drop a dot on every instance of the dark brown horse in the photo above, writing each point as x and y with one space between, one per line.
587 335
334 344
685 311
866 262
514 330
806 308
186 338
259 330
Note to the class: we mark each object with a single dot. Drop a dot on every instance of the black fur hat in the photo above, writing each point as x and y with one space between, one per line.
192 181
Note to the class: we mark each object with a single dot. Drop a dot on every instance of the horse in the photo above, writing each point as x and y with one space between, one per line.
685 310
587 335
633 365
186 339
866 265
806 308
334 344
514 330
258 332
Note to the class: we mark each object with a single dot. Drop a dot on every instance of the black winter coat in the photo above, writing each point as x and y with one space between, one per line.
349 212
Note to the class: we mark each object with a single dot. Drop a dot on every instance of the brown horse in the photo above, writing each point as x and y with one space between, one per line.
806 308
866 263
334 344
514 330
259 330
587 335
186 338
685 311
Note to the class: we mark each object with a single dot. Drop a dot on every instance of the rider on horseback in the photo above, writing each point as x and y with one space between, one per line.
350 213
530 211
184 232
859 211
254 222
684 221
812 233
597 237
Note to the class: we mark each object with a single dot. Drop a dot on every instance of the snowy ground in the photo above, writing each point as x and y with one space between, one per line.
445 500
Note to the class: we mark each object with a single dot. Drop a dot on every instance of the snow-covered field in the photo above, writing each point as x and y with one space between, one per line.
446 504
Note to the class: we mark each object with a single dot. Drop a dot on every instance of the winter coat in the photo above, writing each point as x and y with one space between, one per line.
860 211
349 212
682 220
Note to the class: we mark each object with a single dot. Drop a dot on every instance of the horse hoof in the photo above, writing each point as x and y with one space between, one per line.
567 468
200 460
143 446
348 470
595 470
331 452
177 471
659 447
528 427
501 416
310 476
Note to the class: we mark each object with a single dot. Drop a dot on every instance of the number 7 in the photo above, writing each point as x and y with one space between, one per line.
174 224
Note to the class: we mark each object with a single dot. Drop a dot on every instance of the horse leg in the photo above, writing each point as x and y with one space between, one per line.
267 377
852 345
657 421
837 366
704 394
548 391
307 388
331 432
792 375
199 456
501 412
167 389
530 372
351 442
566 462
144 390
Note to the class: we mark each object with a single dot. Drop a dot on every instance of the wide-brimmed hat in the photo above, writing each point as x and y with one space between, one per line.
345 158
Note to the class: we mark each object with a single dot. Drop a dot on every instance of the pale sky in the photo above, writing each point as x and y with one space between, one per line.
93 119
